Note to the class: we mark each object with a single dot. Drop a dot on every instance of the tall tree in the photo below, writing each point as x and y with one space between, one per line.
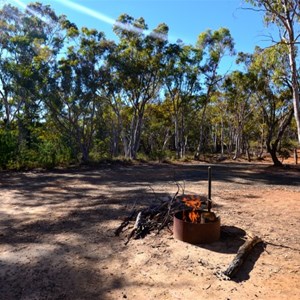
135 69
76 95
29 43
273 94
157 131
214 45
258 102
182 82
285 14
238 87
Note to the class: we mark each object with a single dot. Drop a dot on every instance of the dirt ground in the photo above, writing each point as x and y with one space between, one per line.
57 233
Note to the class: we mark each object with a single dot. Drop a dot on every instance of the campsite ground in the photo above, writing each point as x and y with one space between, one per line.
57 233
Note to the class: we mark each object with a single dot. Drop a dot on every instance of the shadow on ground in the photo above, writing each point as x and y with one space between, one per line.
54 254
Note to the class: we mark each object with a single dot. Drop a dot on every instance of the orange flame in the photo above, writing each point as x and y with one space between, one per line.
195 203
192 201
195 217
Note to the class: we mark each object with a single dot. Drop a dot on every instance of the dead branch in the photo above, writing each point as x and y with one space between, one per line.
126 221
281 246
168 215
137 226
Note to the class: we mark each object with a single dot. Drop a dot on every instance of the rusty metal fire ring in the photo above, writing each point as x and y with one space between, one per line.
196 233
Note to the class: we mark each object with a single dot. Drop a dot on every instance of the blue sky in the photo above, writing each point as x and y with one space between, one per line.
186 18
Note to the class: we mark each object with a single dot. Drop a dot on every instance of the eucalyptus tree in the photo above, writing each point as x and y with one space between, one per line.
29 42
238 93
182 84
157 133
213 46
273 94
285 14
135 68
76 94
219 116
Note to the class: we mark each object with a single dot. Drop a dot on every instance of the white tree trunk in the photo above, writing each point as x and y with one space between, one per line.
295 88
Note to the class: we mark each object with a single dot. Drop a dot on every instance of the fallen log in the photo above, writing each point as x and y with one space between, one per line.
242 253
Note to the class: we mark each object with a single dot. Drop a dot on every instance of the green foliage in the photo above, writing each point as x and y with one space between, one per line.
52 151
8 147
100 150
70 95
48 150
284 154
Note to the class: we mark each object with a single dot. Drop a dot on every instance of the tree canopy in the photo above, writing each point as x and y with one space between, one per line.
69 94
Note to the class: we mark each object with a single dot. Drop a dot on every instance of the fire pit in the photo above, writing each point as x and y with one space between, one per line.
196 233
197 225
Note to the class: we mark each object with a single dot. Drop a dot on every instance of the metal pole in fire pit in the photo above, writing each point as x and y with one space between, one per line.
209 190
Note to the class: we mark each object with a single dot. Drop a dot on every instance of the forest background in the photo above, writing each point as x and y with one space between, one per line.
70 95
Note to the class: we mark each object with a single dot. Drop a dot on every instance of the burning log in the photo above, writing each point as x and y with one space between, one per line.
242 253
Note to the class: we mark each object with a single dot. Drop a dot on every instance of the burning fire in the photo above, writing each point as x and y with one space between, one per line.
195 203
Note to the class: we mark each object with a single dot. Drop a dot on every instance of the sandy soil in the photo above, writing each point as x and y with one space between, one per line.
57 234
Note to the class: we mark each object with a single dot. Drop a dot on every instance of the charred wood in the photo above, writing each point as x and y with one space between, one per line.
125 223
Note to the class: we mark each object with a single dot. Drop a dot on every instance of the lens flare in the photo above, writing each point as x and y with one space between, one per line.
100 16
2 3
23 5
109 20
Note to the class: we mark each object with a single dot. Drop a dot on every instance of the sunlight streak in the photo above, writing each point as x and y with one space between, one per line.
109 20
23 5
2 3
99 16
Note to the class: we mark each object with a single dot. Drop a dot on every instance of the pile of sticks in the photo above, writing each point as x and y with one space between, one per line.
154 218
